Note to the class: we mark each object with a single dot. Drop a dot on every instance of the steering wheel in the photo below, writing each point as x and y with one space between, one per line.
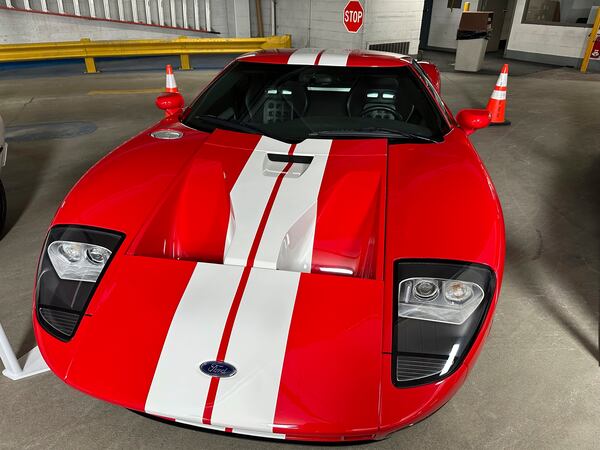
368 112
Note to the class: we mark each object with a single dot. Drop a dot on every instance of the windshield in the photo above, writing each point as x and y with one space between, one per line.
292 103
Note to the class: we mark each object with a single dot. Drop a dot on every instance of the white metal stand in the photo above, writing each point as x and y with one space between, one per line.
29 364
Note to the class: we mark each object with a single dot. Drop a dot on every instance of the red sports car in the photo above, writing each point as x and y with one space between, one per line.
312 250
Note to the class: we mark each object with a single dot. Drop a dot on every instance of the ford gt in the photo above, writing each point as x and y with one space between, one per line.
311 250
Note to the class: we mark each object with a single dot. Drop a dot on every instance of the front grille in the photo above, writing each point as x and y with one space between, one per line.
414 367
62 321
393 47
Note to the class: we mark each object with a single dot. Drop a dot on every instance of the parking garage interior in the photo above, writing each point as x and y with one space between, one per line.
536 383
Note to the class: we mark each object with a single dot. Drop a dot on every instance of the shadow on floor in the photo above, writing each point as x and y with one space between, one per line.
493 62
563 274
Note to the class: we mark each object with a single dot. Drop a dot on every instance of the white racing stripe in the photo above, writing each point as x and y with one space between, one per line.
178 388
235 430
247 400
334 57
287 242
200 424
304 56
259 434
249 198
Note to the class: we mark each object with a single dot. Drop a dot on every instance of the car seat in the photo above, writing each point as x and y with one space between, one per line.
375 98
281 103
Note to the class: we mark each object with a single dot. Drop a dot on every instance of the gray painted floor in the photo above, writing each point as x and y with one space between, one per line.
537 382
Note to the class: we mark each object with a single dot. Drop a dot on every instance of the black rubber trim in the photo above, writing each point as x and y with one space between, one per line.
279 157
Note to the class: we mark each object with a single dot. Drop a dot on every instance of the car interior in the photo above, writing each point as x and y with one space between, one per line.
311 98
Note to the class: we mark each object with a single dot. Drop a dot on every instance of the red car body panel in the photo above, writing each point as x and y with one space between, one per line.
334 379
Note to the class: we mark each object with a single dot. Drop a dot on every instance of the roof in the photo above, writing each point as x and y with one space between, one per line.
328 57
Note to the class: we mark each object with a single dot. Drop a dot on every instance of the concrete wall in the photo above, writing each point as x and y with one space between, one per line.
315 23
393 21
22 27
444 24
312 23
318 23
545 43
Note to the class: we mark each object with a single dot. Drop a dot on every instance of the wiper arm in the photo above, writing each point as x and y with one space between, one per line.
372 132
229 123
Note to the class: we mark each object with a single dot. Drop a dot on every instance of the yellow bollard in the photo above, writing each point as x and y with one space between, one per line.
185 62
90 63
467 6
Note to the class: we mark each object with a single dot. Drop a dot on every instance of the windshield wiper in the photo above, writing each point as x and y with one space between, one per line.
230 124
373 132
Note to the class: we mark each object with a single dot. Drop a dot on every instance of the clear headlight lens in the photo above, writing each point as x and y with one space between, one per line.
458 292
438 299
78 261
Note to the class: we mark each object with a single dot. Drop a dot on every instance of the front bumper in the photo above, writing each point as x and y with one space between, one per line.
334 382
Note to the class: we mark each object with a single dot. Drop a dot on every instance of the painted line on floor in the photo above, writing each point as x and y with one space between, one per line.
125 91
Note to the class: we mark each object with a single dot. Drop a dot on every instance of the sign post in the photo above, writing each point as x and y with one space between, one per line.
353 16
591 44
30 364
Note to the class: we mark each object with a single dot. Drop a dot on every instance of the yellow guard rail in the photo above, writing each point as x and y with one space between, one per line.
183 46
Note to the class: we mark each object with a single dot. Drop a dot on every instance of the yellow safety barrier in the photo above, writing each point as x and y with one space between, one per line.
183 46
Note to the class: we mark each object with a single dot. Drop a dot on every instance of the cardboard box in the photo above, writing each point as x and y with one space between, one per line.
479 21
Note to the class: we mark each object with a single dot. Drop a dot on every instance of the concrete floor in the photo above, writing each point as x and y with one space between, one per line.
537 382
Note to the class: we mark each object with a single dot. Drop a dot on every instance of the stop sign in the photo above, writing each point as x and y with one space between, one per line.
353 16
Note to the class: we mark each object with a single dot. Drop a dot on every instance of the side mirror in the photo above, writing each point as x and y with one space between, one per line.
473 119
433 73
171 103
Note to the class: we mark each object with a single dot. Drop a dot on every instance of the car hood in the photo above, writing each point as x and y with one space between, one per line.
243 249
317 206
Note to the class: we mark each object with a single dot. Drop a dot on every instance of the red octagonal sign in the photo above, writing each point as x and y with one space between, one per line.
353 16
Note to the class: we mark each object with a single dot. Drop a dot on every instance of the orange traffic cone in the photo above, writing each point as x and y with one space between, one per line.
171 83
497 104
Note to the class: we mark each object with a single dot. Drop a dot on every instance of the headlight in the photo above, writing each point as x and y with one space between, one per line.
439 309
438 300
78 261
73 262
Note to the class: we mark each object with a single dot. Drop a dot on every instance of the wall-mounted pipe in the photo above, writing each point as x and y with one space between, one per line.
259 19
273 16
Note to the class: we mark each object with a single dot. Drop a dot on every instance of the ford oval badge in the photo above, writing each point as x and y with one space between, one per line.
218 369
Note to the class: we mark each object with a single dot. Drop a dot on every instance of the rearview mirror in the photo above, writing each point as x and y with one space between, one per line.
473 119
171 103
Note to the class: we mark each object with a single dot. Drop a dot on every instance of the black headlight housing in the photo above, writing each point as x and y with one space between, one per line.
62 299
426 346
